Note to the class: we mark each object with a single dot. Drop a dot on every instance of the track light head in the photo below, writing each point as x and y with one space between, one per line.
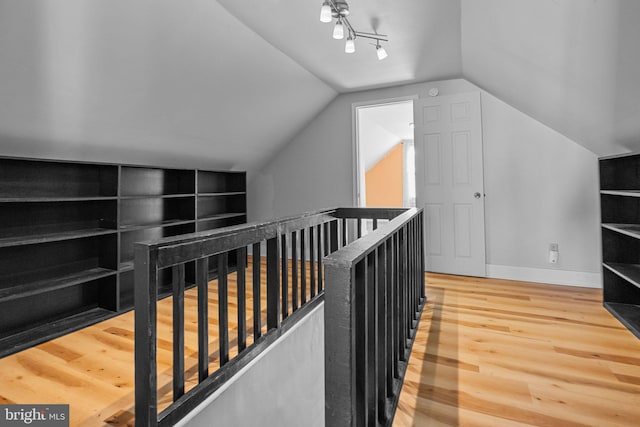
325 12
382 53
350 45
338 30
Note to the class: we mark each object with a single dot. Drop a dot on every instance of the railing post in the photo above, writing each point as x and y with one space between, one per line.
146 294
340 358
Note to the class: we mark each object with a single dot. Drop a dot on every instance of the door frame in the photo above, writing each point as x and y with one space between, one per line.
358 193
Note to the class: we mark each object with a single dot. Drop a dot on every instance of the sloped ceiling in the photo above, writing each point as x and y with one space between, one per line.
146 81
228 83
574 65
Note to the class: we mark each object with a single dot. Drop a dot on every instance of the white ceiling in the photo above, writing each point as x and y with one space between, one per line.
424 39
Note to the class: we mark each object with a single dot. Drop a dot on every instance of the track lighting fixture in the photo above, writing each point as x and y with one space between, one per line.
339 10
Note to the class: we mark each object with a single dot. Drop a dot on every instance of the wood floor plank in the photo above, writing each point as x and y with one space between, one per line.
487 353
541 355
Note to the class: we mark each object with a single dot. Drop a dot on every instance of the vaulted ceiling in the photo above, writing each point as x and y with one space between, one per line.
228 83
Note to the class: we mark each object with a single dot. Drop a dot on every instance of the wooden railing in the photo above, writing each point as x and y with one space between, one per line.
373 300
297 245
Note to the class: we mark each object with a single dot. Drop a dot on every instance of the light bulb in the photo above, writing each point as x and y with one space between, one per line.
381 52
338 30
350 46
325 12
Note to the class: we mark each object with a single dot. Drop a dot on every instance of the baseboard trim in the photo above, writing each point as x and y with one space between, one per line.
544 275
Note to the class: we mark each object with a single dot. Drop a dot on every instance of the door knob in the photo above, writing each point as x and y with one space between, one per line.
477 195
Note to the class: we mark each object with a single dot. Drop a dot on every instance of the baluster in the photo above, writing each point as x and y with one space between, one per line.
178 330
344 232
223 308
294 272
202 276
255 261
303 268
285 276
320 252
390 315
273 284
312 263
241 256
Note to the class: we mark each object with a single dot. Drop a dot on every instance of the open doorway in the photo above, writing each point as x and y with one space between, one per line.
385 154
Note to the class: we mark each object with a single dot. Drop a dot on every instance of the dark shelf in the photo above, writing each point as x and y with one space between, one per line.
631 230
53 283
52 236
52 329
161 196
156 212
230 193
125 266
168 223
221 216
624 193
53 199
149 181
629 272
33 180
221 182
627 314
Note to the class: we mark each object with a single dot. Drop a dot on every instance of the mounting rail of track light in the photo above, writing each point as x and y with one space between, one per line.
339 10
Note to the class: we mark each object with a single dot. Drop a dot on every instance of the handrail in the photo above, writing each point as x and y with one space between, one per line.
373 299
297 244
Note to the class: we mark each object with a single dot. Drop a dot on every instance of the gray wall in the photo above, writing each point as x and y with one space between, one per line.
541 187
284 387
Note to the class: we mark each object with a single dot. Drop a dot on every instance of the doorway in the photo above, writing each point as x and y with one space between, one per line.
441 172
385 154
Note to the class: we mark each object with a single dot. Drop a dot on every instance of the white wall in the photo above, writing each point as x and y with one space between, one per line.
283 387
541 187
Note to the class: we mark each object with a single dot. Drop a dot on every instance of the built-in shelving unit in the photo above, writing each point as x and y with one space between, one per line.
67 231
620 209
222 201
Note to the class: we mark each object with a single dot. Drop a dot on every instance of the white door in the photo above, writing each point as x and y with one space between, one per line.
449 182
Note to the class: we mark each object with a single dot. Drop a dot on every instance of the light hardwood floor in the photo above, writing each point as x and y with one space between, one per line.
488 353
500 353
